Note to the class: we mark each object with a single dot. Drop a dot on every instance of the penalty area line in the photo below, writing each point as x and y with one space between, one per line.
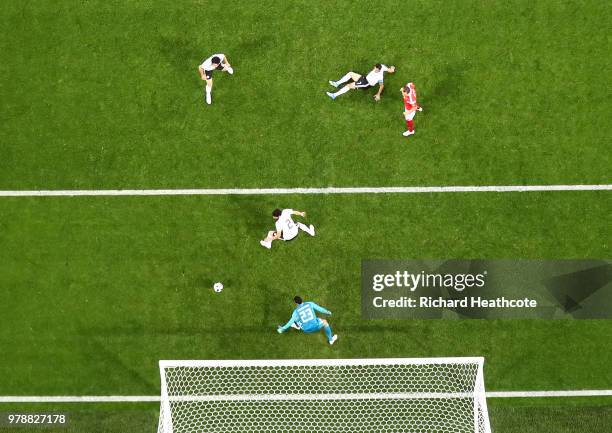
326 190
154 398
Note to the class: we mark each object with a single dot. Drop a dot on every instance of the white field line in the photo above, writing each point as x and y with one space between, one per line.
328 190
535 394
154 398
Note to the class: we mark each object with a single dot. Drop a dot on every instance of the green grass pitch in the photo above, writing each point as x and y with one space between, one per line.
106 94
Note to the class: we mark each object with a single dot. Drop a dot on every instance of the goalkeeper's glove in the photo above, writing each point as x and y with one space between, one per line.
279 329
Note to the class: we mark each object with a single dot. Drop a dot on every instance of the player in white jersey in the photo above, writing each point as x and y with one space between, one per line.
286 228
358 81
217 62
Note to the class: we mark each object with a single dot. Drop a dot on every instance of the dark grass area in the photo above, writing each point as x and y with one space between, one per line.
106 94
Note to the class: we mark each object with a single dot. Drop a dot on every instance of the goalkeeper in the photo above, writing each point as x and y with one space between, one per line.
304 317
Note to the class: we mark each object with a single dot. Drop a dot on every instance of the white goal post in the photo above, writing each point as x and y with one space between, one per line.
398 395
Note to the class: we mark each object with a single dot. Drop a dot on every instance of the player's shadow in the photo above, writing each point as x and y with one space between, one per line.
448 86
181 53
271 312
253 47
252 213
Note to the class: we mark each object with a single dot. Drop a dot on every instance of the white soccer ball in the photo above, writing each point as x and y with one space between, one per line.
217 287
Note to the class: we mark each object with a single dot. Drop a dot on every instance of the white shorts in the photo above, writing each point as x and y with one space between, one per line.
288 235
409 115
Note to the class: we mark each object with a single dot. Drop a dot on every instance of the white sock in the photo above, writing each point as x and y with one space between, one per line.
344 79
230 70
343 90
304 228
208 90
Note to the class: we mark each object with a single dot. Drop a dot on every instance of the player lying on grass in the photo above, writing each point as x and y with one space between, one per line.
304 317
358 81
411 106
215 62
286 228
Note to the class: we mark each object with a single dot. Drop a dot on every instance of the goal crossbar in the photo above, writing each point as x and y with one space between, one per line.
319 362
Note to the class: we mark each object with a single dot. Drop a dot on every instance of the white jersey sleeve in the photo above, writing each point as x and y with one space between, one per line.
207 64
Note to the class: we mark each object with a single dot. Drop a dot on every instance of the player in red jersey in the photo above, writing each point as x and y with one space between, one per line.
411 106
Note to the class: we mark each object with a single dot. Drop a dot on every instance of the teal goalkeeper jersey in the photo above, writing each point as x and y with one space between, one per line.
305 315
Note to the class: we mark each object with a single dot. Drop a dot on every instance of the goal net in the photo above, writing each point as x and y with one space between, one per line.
430 395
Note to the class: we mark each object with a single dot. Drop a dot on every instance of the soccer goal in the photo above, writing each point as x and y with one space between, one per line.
429 395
